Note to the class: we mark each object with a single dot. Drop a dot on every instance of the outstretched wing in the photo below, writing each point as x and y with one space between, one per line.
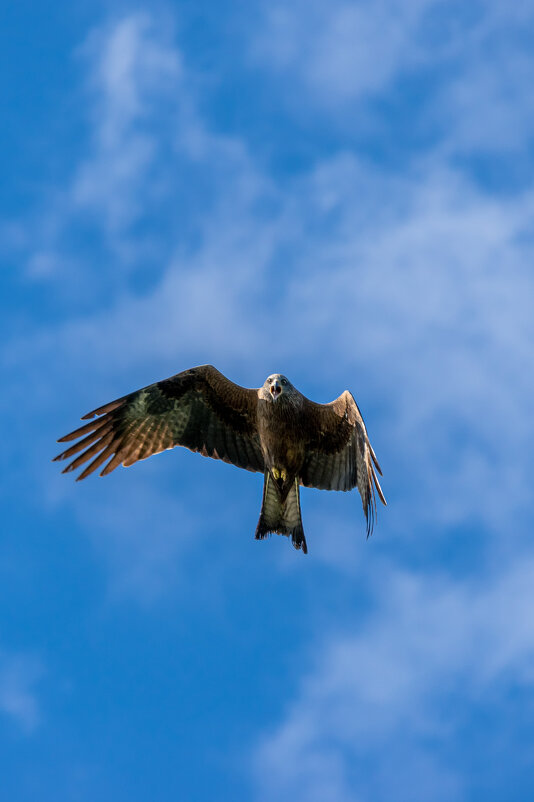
339 455
200 409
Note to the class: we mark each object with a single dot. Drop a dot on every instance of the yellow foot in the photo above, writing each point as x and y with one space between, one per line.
276 474
279 474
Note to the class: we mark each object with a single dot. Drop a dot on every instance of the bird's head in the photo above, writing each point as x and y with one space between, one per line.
276 387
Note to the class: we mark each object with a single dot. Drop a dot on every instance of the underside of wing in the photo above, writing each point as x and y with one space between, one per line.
199 408
339 455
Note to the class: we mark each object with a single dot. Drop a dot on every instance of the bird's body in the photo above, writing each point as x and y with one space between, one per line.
275 430
280 431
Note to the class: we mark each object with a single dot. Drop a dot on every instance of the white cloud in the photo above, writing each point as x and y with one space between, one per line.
467 67
135 66
411 290
431 282
418 299
128 108
150 175
18 701
491 105
371 713
341 50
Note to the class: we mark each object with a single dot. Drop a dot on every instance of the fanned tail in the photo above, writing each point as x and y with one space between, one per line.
281 517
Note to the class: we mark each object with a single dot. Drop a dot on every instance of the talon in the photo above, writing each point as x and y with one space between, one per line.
276 474
283 475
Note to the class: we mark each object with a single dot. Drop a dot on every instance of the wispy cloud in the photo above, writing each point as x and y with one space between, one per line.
133 89
431 283
485 103
134 67
409 287
19 675
459 72
376 710
259 216
344 50
132 190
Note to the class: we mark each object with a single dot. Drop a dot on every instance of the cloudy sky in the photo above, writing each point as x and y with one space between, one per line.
342 192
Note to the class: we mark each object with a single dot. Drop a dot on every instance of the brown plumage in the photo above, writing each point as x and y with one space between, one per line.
274 430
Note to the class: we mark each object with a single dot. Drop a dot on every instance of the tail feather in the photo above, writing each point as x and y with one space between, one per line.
281 517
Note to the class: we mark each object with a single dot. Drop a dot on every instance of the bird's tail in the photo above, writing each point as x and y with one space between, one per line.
281 516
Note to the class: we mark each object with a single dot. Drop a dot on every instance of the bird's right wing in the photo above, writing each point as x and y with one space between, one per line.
199 408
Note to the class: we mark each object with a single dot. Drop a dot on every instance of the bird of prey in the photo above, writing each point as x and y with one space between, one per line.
274 430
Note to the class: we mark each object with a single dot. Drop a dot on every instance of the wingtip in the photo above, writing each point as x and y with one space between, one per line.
379 491
376 463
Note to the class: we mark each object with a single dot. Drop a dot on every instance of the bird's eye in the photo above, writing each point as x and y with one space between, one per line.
284 381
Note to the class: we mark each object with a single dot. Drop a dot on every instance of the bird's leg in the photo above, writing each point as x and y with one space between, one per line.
279 476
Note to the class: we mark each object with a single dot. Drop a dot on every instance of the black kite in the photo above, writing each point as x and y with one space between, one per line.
274 430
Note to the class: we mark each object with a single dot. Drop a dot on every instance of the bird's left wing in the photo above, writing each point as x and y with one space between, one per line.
199 408
339 455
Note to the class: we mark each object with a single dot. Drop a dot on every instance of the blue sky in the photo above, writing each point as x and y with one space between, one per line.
338 191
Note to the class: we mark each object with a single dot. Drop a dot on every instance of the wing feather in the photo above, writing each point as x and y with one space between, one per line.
96 463
199 408
89 452
93 426
86 441
112 464
339 455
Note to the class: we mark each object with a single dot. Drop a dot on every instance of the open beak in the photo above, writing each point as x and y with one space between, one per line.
276 389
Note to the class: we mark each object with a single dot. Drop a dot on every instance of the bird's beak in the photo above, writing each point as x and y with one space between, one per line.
276 389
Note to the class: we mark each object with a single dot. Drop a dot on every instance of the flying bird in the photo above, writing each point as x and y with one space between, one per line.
273 430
